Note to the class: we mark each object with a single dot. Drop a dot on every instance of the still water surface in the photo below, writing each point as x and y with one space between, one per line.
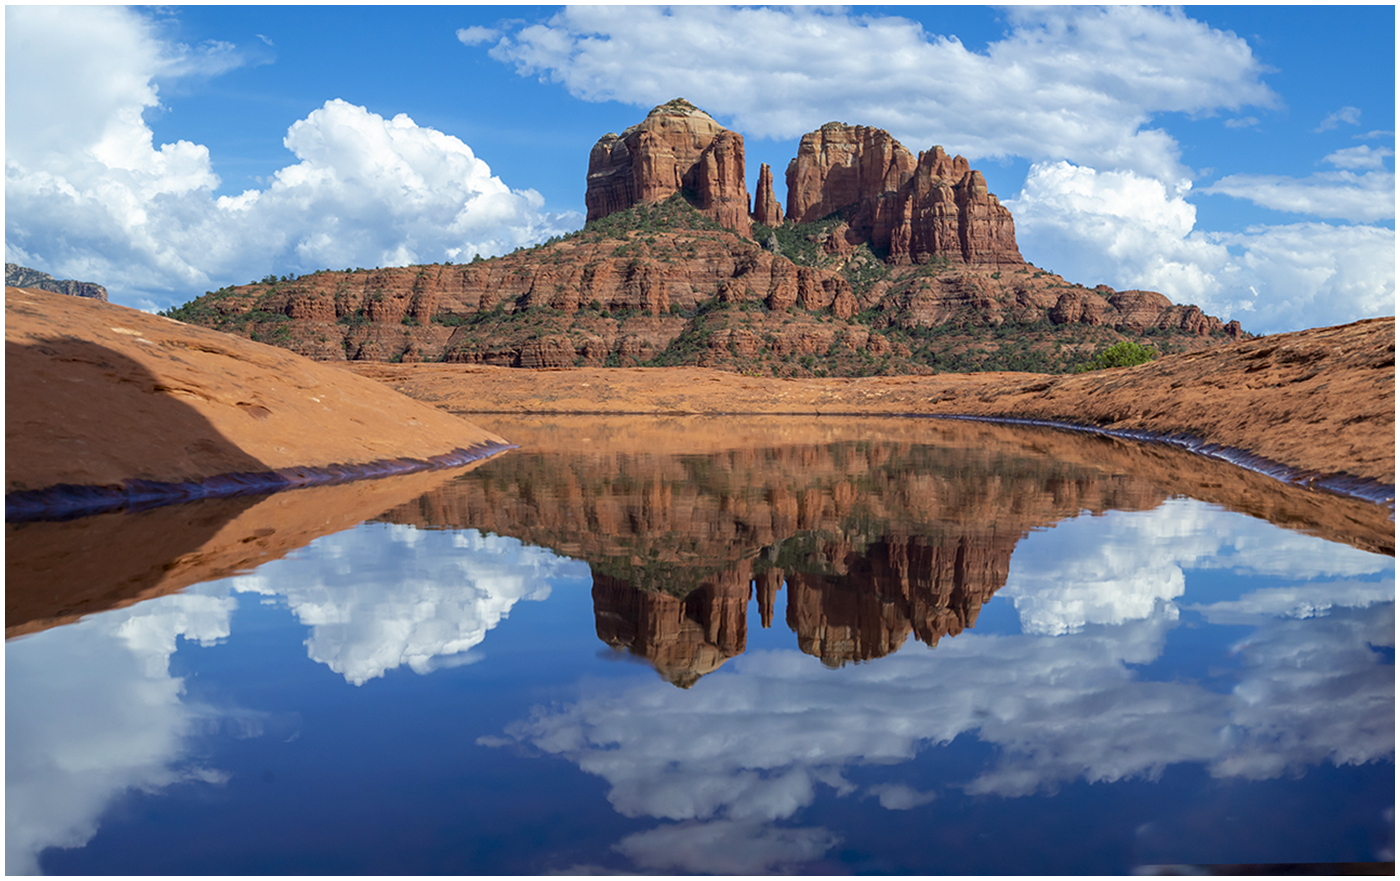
950 650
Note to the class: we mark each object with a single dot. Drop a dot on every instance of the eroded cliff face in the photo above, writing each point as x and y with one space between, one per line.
678 148
874 541
910 211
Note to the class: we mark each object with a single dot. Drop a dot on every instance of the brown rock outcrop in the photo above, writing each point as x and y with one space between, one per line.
678 148
910 210
766 209
17 276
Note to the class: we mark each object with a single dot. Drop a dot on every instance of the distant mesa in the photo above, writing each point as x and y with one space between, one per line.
17 276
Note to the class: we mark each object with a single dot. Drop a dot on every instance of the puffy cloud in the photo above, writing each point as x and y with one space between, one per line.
1360 157
1302 601
92 712
1130 565
1123 229
1078 84
1120 228
476 35
88 195
406 597
1312 692
1345 116
1314 274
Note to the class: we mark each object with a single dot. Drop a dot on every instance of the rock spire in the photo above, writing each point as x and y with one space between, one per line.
766 209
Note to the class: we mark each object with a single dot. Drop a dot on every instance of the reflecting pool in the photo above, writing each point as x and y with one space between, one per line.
712 646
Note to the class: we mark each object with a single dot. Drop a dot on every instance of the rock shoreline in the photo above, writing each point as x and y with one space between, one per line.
66 501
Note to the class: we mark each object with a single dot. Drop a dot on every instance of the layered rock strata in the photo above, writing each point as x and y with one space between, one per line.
678 148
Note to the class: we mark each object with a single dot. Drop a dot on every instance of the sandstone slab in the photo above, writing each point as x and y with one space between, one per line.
98 395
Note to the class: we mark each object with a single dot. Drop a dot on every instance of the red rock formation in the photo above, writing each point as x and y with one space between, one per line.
839 167
678 148
911 210
766 209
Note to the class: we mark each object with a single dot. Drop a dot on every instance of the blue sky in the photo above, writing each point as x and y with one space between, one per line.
1240 158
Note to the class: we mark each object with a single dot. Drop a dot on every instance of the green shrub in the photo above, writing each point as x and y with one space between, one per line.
1124 353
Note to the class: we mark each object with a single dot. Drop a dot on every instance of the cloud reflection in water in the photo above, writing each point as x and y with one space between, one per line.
747 748
421 598
93 710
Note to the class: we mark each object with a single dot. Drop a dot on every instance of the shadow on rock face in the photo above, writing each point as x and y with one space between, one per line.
72 406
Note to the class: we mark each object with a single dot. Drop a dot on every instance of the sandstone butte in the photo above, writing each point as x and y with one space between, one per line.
885 261
98 395
677 148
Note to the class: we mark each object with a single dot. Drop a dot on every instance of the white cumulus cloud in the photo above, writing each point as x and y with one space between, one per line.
1361 157
1343 195
89 195
1071 83
1131 565
1129 231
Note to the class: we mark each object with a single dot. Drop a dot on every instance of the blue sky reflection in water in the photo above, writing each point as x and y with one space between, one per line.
1175 685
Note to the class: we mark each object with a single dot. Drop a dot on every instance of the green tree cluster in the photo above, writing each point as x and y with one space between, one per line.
1124 353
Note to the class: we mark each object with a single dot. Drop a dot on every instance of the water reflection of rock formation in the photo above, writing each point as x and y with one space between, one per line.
896 587
874 541
683 637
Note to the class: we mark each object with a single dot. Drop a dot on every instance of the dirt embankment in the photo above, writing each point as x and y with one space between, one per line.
100 395
1319 401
